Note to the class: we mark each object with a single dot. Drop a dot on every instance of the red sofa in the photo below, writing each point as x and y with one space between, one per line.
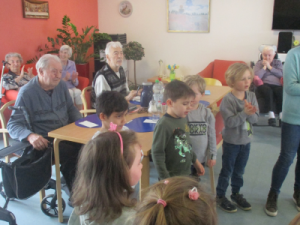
217 69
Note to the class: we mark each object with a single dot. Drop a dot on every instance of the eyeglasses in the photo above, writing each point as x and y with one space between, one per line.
142 155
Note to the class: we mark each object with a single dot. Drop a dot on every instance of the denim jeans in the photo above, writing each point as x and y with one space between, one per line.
234 161
290 145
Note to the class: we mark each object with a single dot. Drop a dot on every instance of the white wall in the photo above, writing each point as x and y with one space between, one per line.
237 29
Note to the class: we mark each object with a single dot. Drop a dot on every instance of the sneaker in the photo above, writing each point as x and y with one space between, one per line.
240 201
296 198
271 205
272 122
225 204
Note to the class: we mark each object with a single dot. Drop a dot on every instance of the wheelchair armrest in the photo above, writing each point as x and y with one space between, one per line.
20 146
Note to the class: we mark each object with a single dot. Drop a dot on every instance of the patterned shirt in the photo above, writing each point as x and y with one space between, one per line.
9 82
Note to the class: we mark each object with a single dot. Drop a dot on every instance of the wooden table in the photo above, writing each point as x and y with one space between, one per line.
82 135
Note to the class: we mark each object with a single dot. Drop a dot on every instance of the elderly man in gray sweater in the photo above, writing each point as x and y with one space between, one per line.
50 107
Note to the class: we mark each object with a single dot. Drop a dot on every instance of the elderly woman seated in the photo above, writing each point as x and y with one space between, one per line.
269 88
69 75
16 77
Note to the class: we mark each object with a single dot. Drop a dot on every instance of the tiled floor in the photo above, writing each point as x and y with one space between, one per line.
264 153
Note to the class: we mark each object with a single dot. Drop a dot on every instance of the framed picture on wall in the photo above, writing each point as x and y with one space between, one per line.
35 9
188 15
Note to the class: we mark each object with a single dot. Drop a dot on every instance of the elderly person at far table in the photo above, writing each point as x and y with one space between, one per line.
70 75
16 77
111 77
269 70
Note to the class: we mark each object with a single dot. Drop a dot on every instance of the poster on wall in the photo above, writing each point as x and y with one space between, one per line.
35 9
188 15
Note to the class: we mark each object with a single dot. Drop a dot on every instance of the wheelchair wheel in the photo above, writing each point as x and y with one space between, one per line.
49 210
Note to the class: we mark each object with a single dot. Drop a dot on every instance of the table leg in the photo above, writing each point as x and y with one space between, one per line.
58 183
144 182
42 196
212 180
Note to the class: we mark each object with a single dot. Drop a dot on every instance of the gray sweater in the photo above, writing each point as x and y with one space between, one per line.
47 112
238 125
202 133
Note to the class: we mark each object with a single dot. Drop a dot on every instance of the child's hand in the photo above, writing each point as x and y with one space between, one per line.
249 108
211 163
199 168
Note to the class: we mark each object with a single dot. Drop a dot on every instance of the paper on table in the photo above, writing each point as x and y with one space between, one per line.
150 121
88 124
137 98
207 92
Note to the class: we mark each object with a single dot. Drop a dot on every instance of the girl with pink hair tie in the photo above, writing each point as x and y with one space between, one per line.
108 167
176 201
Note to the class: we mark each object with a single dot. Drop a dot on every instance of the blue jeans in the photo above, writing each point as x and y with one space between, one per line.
290 145
234 161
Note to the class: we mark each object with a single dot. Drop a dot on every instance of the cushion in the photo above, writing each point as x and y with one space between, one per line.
257 81
220 67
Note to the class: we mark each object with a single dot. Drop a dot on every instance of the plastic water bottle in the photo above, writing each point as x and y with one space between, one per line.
158 91
159 107
162 89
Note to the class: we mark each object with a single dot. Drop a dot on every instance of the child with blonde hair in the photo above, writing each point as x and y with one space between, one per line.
239 110
201 122
108 168
176 201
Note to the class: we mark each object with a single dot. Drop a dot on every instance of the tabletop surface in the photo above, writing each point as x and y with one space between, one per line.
73 133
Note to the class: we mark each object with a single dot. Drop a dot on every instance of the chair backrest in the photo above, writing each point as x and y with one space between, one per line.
83 82
212 82
86 101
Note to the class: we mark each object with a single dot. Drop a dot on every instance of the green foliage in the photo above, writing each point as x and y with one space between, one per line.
80 43
133 50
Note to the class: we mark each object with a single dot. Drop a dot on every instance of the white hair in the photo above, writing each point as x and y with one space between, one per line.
13 54
269 48
68 48
112 44
44 61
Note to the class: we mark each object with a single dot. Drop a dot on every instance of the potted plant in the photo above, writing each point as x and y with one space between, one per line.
80 44
133 51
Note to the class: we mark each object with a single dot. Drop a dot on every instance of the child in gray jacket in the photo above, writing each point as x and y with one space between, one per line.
239 110
201 122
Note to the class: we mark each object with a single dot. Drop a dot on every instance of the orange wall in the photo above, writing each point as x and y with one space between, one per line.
25 35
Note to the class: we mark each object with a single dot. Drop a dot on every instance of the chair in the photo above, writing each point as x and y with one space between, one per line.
217 69
212 82
3 128
86 101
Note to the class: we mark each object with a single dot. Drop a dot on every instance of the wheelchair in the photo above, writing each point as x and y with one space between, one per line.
19 178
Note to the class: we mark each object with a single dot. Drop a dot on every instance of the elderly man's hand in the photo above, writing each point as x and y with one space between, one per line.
37 141
131 95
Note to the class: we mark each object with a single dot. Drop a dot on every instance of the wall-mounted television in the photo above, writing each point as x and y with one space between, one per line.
286 15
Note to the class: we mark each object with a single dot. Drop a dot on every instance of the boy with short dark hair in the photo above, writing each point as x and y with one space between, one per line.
111 106
171 149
